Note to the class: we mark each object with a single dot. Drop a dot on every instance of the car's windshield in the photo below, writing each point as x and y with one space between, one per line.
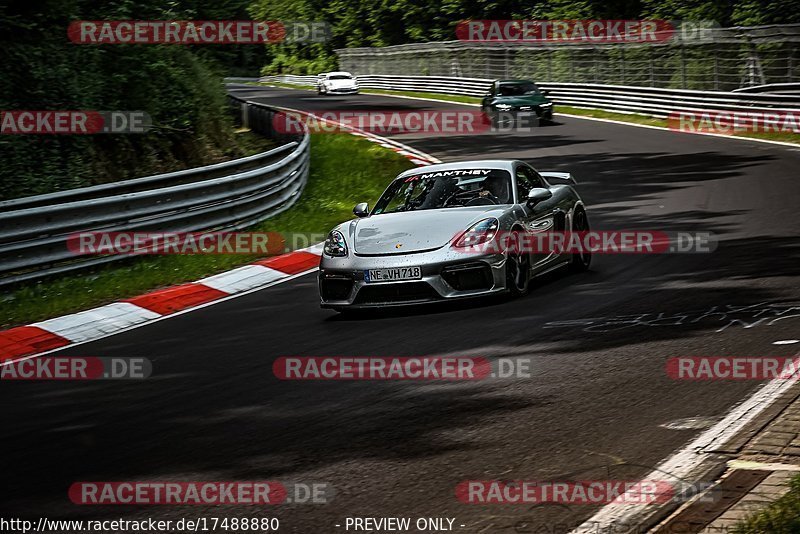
340 77
446 189
518 89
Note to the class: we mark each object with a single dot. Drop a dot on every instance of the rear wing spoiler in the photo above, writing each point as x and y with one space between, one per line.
559 177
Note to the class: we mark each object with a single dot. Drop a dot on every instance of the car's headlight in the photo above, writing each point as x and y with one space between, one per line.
504 107
546 105
478 234
335 245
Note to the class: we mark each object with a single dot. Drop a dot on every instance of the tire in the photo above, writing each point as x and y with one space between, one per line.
518 269
580 260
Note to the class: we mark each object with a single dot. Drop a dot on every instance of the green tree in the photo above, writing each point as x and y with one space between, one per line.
177 86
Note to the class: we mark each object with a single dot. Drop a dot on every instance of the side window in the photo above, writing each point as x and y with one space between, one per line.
533 176
526 180
523 184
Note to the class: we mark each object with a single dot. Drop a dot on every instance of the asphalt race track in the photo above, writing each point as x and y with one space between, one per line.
597 403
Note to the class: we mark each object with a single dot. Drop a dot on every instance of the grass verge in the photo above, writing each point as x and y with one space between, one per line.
662 123
460 99
285 85
345 170
780 517
250 143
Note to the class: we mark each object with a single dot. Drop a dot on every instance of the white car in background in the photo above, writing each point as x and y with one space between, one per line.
336 83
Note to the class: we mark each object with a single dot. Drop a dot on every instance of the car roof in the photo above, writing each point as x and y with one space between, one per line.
513 82
343 73
504 164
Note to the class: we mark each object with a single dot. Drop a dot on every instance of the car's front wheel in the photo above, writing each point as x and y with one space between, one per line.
518 267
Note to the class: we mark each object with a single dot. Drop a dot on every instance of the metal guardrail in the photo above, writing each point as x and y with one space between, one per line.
227 196
773 88
427 84
293 79
661 102
650 101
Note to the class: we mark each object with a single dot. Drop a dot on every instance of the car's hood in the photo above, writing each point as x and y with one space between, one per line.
342 84
525 100
415 231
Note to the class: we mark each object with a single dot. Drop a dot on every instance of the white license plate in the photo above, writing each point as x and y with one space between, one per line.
392 275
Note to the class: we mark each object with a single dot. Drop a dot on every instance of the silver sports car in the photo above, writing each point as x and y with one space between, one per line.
425 238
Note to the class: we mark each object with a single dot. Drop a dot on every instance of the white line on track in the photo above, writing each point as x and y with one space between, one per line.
682 464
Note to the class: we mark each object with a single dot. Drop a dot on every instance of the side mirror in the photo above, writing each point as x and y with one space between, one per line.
538 194
361 209
545 92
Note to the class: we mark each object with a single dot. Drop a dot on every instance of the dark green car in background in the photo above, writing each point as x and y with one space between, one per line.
517 101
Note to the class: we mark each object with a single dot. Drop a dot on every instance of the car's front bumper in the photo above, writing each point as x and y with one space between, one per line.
343 91
522 115
445 275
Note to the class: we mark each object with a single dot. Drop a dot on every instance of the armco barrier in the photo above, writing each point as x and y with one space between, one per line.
624 99
774 88
226 196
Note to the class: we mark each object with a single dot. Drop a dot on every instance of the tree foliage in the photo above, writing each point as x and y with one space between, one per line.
178 86
358 23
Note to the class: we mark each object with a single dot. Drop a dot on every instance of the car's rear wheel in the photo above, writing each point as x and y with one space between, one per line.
580 260
518 267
